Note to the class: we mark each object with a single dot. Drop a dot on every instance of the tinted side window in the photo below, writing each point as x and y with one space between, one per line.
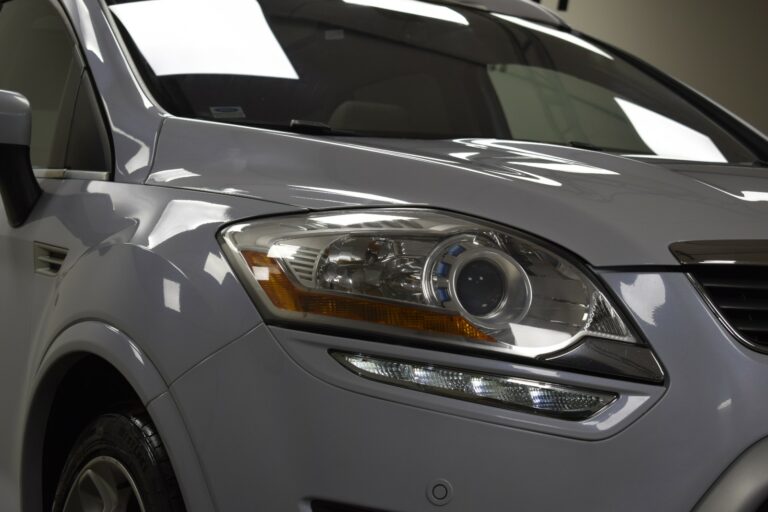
39 58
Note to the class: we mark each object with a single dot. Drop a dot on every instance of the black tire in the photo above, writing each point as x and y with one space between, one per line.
131 439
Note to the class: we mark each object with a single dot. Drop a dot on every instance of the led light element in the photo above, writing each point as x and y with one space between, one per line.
531 396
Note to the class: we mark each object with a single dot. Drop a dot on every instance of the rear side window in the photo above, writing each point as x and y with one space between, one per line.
40 59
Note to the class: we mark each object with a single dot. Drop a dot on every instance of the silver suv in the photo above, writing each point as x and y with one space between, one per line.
370 255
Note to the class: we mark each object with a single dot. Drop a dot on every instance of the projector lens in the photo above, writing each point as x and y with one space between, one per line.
480 287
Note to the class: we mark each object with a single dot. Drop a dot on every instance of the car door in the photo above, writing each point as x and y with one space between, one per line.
40 58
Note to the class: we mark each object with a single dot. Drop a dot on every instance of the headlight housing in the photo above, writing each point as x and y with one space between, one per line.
422 275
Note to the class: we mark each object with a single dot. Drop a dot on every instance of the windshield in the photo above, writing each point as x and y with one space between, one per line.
407 69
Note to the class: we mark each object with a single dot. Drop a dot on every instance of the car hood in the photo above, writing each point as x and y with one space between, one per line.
610 210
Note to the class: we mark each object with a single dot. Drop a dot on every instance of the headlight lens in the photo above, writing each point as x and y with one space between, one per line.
423 274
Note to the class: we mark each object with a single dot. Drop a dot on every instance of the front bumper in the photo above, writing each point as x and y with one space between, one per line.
278 423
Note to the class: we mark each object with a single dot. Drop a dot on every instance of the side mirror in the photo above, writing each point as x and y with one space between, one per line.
18 187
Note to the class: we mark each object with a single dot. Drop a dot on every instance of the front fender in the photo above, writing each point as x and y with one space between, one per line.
113 346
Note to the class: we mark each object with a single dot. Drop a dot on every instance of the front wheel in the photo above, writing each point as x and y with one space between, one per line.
118 464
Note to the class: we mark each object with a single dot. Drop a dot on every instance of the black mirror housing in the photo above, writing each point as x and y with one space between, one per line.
18 186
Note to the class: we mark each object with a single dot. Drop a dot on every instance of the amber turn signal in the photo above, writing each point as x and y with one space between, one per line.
286 295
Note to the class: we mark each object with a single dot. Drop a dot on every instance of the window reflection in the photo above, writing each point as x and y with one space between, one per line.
210 37
564 36
668 138
416 8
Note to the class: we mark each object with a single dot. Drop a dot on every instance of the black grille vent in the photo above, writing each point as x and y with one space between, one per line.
740 295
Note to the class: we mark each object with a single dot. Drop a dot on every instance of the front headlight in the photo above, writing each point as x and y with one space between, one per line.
420 274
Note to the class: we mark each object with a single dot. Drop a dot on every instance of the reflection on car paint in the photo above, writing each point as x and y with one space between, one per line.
644 296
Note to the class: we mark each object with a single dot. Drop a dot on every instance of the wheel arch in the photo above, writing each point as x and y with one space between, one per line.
128 374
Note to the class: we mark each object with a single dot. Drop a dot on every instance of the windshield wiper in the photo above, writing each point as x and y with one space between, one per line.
585 145
299 126
619 151
316 128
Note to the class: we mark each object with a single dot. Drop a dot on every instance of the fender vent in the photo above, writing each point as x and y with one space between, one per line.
48 259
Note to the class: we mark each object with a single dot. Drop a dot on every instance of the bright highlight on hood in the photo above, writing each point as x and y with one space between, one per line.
211 37
573 168
668 138
565 36
415 7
